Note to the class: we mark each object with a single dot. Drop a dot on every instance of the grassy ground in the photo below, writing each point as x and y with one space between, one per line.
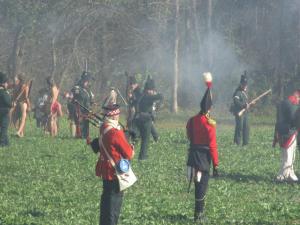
52 181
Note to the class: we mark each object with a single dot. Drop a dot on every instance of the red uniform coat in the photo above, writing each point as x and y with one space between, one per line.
200 131
117 147
286 130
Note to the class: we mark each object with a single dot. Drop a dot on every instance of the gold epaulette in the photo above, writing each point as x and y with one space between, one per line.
210 120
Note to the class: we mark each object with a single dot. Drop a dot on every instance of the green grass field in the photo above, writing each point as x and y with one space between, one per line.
52 181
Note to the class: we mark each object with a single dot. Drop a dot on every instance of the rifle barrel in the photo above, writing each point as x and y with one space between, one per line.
240 113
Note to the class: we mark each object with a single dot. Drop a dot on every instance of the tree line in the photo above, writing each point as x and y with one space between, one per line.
172 40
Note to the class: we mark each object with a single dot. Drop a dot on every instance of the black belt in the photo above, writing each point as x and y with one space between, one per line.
199 147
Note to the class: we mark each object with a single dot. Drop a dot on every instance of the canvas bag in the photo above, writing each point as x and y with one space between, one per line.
125 179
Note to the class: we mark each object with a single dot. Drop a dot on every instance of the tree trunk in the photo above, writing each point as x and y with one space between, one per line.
210 57
280 48
174 108
15 61
105 63
71 57
54 57
196 25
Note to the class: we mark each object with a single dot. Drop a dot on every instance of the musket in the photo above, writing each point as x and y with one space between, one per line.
240 113
93 117
23 89
190 180
123 99
96 120
127 85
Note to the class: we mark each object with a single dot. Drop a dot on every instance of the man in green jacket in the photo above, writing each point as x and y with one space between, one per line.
144 117
5 105
240 100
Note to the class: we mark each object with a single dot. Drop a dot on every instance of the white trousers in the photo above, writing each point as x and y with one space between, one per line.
287 160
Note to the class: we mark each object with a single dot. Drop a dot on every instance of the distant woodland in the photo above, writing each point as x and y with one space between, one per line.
174 41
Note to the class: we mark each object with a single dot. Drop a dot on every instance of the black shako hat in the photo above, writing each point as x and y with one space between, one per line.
3 78
149 85
132 80
86 76
244 79
206 102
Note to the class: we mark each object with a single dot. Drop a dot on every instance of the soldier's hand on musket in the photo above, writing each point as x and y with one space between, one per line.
132 146
247 106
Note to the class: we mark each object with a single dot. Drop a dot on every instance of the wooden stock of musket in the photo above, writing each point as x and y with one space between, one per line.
255 100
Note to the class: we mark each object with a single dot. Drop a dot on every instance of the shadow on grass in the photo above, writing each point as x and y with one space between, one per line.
33 213
247 178
173 218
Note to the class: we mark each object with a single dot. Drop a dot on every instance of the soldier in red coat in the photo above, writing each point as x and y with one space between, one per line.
201 132
112 140
286 131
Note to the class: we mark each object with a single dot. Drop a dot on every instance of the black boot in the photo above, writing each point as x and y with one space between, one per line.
199 218
198 214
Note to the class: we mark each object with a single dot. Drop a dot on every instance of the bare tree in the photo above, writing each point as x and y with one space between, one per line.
176 61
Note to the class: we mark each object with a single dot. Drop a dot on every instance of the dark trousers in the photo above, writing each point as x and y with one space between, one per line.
145 132
200 192
154 132
111 202
84 126
133 127
241 129
4 123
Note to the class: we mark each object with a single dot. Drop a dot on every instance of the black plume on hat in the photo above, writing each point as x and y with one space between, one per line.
149 85
244 79
3 78
206 102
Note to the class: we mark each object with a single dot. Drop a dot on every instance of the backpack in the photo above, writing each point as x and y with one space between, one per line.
232 108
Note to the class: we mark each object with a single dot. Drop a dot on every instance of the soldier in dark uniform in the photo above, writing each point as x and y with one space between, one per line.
5 105
201 132
286 131
82 94
144 118
240 101
39 110
133 96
